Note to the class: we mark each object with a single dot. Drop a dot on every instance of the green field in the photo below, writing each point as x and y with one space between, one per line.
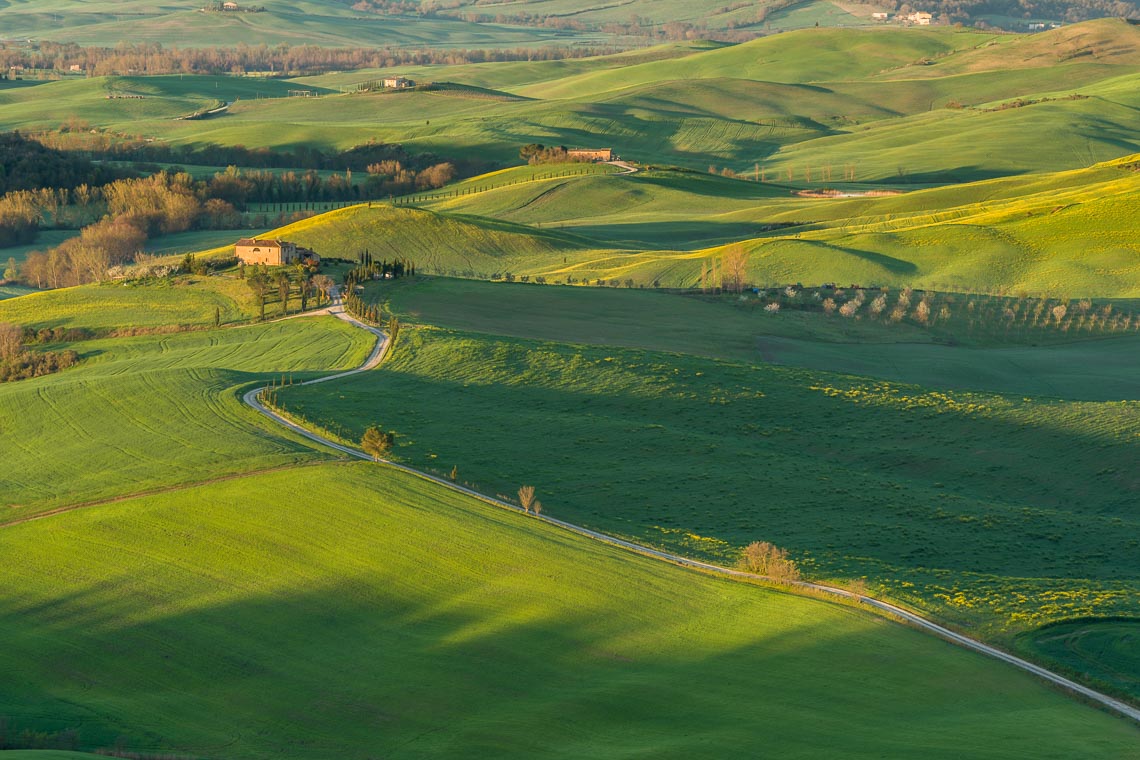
272 616
12 291
1065 234
154 411
973 504
1106 650
300 22
924 386
872 101
1100 369
185 301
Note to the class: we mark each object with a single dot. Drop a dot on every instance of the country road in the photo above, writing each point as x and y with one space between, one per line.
377 357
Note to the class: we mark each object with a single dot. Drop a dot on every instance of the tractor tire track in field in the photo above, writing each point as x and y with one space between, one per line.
918 621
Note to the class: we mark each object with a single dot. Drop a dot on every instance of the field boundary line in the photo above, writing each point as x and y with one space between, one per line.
380 352
156 491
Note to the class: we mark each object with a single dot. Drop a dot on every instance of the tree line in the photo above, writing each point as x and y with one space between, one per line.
282 60
27 164
17 363
121 216
80 139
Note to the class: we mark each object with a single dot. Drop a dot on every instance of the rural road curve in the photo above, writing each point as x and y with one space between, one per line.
381 351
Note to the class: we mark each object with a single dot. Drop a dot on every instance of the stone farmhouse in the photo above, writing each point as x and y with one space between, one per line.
272 253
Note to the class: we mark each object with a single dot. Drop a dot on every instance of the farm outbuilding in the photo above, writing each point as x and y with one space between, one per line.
591 154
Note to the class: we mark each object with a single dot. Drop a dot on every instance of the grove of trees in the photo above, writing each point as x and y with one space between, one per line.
17 363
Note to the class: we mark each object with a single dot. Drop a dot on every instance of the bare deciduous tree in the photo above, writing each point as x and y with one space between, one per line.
769 560
734 265
11 340
526 497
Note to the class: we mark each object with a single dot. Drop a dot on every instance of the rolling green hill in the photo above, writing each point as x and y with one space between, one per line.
298 22
273 615
187 301
154 411
985 495
917 107
1067 234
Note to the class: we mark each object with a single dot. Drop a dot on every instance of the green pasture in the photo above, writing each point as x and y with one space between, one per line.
1105 650
187 301
157 410
509 74
429 239
302 22
1073 365
349 611
869 101
14 291
978 506
1064 234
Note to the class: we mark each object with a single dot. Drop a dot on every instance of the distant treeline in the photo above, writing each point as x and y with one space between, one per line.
70 191
127 212
29 165
283 59
78 138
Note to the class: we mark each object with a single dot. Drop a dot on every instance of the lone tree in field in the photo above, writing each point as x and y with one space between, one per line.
769 560
377 443
734 266
526 497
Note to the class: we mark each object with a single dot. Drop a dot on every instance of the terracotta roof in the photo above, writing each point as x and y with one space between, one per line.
263 243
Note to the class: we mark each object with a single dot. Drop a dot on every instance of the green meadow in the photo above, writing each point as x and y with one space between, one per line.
193 580
272 615
893 106
300 22
150 412
183 301
1000 509
1065 234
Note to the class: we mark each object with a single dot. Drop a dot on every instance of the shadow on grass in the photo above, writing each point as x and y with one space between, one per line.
359 667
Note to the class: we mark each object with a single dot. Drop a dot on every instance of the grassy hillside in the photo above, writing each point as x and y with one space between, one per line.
1056 364
299 22
512 74
1106 649
429 239
272 616
153 411
1065 234
187 301
921 107
984 496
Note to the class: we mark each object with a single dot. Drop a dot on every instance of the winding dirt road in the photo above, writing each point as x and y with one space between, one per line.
381 351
